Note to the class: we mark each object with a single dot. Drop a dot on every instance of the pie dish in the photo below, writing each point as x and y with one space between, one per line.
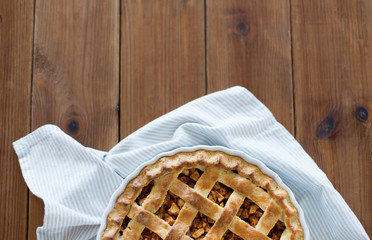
203 194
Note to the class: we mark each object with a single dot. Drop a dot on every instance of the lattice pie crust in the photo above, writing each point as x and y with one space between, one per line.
203 195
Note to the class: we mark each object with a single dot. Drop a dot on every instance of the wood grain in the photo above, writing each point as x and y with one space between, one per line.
249 44
333 94
173 51
16 33
76 74
162 58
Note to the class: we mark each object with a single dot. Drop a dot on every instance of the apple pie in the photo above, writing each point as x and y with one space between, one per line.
203 195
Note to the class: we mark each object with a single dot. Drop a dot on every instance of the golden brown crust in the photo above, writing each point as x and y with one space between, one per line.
251 185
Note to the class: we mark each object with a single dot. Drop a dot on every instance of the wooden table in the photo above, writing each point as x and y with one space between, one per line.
101 69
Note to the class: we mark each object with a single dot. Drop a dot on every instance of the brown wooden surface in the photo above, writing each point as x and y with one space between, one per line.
333 93
172 51
162 58
16 18
249 44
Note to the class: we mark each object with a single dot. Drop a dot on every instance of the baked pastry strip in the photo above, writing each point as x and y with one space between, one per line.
152 203
228 213
150 220
187 214
198 201
245 187
246 231
269 218
286 235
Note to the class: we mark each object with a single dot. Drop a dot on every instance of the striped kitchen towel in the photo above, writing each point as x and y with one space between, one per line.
76 182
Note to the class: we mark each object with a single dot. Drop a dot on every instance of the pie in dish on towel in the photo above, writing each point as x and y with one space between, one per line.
203 195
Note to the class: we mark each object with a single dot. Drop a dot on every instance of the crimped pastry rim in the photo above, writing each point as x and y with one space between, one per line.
264 169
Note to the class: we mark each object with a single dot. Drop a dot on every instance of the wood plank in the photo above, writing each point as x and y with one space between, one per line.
16 33
76 75
333 93
249 44
162 58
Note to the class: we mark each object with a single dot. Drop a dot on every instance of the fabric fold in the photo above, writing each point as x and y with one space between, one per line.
232 118
72 180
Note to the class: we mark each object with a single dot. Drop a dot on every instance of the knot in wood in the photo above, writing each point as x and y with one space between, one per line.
326 127
361 114
242 29
73 126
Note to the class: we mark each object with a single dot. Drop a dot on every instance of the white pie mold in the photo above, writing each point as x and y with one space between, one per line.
241 154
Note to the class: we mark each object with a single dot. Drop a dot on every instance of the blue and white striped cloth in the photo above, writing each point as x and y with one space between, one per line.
76 182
